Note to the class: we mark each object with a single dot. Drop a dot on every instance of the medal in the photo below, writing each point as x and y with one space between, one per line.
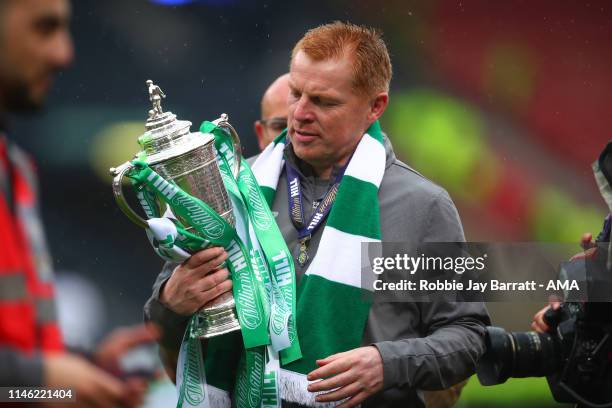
303 255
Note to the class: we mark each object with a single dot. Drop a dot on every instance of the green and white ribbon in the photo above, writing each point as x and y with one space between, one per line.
268 245
209 224
260 265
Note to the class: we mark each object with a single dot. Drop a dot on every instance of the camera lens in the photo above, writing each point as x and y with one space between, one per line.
517 354
536 354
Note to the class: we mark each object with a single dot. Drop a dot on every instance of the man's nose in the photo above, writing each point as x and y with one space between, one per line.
62 51
303 111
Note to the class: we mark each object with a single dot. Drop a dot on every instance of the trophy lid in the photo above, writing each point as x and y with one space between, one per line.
166 136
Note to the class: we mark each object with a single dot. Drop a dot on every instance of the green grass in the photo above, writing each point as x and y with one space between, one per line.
516 392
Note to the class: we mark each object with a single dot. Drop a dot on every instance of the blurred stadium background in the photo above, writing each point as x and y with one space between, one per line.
504 104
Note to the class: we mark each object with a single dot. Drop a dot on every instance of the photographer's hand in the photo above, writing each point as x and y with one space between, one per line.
586 242
589 247
589 250
538 323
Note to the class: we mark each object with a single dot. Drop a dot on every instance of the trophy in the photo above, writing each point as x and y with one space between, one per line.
189 161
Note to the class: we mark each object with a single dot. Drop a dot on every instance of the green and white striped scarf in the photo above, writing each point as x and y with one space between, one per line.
331 309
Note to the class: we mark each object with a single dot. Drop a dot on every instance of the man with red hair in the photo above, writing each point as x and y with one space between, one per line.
335 183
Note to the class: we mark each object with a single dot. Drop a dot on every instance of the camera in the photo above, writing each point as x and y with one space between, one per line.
576 354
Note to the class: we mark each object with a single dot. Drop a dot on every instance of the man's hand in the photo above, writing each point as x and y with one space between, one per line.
590 247
538 323
92 386
590 251
122 340
196 282
357 374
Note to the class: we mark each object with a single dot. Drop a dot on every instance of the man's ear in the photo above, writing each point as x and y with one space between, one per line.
259 131
378 106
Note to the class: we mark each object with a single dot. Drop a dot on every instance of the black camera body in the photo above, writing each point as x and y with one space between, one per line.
585 338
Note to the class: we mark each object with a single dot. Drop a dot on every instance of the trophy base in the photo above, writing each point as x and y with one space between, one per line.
217 318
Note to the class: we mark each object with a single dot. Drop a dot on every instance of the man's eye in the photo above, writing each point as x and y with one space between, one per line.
47 26
324 102
277 124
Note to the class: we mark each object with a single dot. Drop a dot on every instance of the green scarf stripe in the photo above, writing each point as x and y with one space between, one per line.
376 132
321 300
280 138
221 360
360 214
268 193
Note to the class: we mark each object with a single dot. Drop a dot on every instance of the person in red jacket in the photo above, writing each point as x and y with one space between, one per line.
34 45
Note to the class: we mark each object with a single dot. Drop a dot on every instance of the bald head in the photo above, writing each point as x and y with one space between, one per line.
274 100
273 111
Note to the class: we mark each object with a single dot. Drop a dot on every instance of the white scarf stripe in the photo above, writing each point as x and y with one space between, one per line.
337 257
267 165
368 162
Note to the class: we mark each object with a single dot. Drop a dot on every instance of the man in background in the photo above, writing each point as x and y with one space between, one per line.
35 44
273 111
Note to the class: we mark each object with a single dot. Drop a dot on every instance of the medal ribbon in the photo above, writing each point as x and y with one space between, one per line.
296 208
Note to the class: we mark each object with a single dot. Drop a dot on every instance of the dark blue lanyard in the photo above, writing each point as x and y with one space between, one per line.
296 208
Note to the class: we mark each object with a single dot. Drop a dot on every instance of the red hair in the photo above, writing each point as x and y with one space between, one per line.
371 62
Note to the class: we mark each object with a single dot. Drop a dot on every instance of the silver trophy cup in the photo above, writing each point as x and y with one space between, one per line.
189 160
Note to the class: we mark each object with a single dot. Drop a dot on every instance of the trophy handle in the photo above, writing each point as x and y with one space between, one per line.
223 122
119 172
